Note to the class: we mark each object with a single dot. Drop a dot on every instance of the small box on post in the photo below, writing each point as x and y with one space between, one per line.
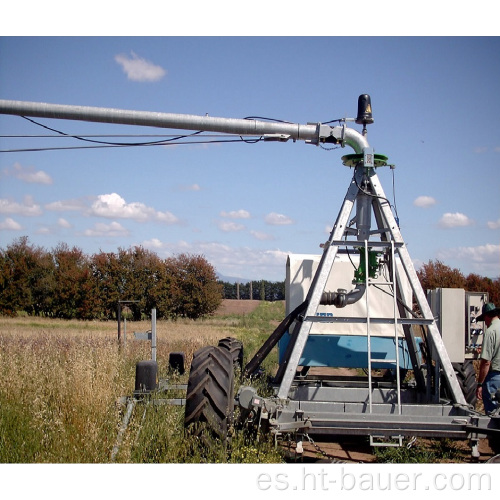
149 335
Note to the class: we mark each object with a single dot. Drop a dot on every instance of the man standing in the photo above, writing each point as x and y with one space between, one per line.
488 380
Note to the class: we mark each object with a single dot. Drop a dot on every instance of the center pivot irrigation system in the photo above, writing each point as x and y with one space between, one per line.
357 305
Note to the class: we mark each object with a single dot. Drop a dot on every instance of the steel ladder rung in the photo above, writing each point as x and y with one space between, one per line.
397 440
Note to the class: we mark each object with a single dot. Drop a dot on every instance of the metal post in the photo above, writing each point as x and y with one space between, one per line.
119 319
126 418
153 334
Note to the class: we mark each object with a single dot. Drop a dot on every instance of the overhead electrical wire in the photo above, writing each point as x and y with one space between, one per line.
167 140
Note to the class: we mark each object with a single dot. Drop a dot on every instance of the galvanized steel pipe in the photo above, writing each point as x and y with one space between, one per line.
244 127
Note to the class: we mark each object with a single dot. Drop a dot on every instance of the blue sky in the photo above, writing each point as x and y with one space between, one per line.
245 207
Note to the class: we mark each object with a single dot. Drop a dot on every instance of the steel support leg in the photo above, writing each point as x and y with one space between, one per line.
286 372
434 334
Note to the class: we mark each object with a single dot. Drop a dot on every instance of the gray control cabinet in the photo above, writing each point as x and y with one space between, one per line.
455 311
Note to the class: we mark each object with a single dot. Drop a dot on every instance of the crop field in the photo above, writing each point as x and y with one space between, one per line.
62 382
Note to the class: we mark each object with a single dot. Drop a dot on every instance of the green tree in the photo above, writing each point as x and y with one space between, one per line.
107 282
196 292
26 283
73 294
143 279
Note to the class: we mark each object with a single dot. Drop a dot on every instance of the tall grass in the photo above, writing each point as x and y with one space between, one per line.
61 382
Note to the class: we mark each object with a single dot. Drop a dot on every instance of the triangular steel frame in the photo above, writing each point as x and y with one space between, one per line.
389 230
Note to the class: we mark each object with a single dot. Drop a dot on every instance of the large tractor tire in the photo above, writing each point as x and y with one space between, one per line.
235 349
210 392
466 376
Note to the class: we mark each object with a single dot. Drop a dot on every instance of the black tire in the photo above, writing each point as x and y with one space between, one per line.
235 349
210 392
494 460
466 376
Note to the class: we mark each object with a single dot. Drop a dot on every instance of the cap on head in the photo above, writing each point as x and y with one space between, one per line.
488 309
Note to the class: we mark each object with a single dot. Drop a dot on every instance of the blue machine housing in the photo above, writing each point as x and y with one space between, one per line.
344 343
351 351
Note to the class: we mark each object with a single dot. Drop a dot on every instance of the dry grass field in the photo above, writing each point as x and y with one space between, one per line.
62 382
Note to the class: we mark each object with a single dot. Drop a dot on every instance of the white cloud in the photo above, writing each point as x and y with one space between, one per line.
230 227
153 243
243 262
482 253
494 224
424 201
65 205
10 225
63 223
236 214
28 174
114 206
28 208
484 259
455 220
138 69
262 236
101 229
275 219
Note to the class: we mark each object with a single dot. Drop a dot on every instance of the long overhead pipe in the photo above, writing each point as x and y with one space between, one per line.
314 133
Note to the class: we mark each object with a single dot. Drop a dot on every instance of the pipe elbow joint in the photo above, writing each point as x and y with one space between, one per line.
342 298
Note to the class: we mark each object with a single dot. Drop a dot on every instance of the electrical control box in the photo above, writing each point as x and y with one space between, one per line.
455 311
474 329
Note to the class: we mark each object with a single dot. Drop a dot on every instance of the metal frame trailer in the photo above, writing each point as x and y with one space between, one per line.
385 410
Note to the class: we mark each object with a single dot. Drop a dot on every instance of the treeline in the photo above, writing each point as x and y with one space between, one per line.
435 274
66 283
254 290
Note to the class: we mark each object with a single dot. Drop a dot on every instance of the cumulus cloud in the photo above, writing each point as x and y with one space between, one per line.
138 69
28 174
482 253
484 259
114 206
230 227
236 214
456 219
243 262
27 208
10 225
275 219
494 224
102 229
424 201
